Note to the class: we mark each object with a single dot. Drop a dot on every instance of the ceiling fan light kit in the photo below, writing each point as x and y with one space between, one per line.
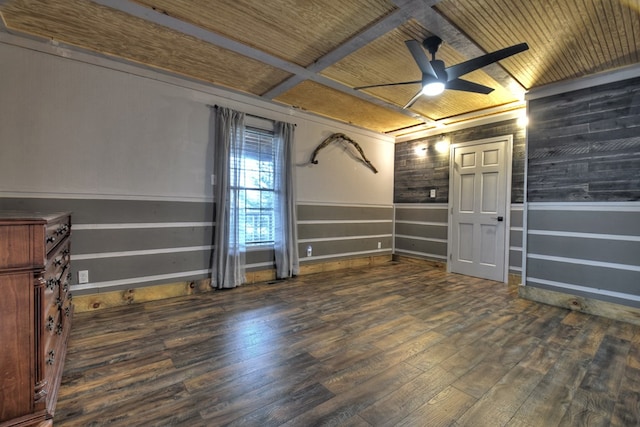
433 88
436 77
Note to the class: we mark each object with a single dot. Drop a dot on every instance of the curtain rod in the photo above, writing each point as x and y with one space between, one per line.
251 115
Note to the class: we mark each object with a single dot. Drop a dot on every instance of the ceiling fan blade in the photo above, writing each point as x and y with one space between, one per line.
420 57
463 68
413 100
388 84
467 86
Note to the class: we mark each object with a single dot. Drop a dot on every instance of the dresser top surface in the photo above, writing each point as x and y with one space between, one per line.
30 216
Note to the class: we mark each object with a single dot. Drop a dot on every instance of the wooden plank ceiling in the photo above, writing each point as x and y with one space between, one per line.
311 54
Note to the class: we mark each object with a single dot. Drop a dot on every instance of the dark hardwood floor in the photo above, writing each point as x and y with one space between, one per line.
401 344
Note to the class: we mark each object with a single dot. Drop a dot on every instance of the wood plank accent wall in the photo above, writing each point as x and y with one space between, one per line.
417 172
585 145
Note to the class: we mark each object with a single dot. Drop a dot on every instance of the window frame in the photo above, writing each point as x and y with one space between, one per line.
257 135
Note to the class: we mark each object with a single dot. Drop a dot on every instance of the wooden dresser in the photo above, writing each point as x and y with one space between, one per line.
35 314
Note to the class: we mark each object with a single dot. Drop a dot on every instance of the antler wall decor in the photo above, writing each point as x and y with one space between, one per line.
342 138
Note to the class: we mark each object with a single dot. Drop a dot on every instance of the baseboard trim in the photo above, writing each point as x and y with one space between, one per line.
99 301
582 304
344 263
415 260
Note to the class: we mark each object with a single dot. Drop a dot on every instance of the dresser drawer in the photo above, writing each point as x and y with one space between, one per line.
56 285
58 259
56 232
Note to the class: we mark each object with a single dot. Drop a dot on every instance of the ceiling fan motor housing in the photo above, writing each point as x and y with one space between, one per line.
432 44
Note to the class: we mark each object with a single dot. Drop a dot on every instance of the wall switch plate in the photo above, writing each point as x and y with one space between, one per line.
309 250
432 193
379 245
83 276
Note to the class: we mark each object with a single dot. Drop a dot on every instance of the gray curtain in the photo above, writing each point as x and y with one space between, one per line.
286 236
229 253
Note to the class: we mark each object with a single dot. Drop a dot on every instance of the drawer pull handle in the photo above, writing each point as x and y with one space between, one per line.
51 239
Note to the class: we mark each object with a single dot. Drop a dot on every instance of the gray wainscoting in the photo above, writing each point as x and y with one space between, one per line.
128 244
515 239
585 249
421 231
340 231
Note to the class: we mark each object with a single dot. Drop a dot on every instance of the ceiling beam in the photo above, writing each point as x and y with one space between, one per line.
300 73
403 12
180 26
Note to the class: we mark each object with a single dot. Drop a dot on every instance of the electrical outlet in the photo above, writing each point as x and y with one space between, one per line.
379 245
83 276
432 193
309 250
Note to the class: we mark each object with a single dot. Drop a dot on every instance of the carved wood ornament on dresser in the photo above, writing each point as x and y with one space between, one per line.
35 314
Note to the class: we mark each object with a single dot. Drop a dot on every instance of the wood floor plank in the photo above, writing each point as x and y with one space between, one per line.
392 408
607 367
395 344
480 378
549 400
282 410
626 411
443 410
349 404
500 403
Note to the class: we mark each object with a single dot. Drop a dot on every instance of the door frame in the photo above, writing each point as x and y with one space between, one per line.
508 139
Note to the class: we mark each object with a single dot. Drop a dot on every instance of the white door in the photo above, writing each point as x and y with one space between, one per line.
478 208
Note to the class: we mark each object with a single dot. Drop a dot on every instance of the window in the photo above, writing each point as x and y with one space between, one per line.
257 186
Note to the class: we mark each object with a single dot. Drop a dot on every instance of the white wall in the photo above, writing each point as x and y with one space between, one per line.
72 124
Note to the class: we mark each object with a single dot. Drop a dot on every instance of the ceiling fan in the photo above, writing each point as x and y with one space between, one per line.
436 78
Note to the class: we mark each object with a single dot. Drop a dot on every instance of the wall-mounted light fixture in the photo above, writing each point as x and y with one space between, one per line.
442 146
420 150
523 119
